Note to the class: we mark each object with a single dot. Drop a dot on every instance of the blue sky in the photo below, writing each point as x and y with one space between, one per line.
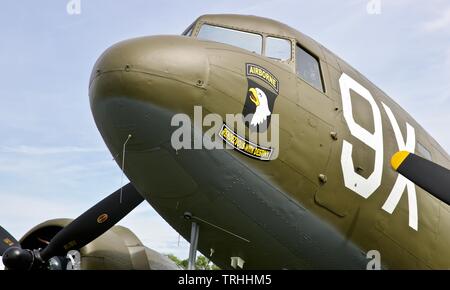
53 162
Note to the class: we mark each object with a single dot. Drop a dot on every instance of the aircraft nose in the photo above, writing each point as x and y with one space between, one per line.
134 78
146 62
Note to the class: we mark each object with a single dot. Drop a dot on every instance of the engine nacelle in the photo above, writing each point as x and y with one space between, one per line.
116 249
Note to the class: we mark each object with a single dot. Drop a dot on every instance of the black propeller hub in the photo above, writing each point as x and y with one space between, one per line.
16 258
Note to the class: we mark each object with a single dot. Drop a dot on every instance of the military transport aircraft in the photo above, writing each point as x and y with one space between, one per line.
326 195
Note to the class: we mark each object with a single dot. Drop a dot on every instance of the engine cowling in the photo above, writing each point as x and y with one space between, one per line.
117 249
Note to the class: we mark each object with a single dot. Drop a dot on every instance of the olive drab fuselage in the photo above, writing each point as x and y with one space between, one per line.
330 195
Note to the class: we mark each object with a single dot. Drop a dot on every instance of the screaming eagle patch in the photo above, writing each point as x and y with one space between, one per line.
262 91
263 74
243 145
260 101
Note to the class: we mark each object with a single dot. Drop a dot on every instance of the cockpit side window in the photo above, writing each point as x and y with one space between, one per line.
246 40
278 48
308 68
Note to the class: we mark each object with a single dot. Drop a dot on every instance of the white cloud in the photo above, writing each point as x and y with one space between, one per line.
25 211
439 23
32 150
447 60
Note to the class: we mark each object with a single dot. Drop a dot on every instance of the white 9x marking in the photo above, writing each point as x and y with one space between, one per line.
366 186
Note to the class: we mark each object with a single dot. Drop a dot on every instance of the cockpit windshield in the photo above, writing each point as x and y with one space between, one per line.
278 48
275 48
245 40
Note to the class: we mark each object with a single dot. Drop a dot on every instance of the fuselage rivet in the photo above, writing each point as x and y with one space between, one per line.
187 215
333 135
323 178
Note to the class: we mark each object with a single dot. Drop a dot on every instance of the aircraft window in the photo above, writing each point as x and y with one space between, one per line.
245 40
308 68
422 151
278 48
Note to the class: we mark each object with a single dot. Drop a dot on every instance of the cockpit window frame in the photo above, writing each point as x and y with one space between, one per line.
322 89
189 30
201 23
292 62
291 41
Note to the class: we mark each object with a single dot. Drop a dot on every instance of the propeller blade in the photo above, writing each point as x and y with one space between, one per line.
428 175
6 241
94 222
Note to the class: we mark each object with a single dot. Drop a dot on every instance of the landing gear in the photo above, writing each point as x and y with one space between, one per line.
193 242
